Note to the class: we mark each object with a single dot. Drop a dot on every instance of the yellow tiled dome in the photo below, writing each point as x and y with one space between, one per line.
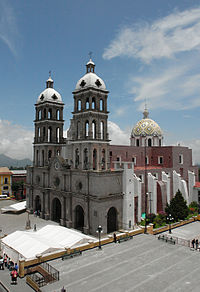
146 127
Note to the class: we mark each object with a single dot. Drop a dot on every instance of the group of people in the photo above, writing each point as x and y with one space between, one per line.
195 243
5 261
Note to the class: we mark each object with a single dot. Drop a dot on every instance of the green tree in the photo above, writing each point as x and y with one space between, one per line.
178 207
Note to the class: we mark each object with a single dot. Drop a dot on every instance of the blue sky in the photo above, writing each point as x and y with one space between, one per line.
146 49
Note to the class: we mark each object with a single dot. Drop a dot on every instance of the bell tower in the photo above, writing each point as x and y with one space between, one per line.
88 134
48 140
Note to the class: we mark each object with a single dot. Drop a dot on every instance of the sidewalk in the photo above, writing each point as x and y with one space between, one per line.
21 283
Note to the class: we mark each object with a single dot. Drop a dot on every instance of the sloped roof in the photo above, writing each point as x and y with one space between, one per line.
48 239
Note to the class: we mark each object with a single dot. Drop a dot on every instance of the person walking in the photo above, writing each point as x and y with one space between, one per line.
1 264
5 260
193 242
115 237
14 275
197 243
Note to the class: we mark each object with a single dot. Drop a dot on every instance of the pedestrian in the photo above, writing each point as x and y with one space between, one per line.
5 260
115 237
14 275
16 267
63 289
193 242
8 263
197 243
1 264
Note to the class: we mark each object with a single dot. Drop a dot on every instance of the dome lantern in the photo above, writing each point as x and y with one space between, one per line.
49 82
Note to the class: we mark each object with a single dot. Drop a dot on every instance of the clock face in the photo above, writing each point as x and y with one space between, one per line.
56 165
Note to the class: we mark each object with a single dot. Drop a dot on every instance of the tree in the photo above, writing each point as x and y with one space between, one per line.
178 207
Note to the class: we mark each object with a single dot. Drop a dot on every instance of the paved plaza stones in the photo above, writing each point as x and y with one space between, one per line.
141 264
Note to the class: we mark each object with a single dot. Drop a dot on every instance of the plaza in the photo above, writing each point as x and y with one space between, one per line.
143 263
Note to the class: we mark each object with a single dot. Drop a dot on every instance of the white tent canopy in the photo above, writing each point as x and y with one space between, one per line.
18 207
51 238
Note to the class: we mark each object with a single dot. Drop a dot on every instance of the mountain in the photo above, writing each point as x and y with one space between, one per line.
7 161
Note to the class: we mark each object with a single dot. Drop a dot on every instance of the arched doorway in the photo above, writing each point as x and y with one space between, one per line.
38 204
79 218
112 220
56 210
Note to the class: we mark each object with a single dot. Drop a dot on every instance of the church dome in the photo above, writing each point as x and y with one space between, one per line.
146 127
49 94
90 79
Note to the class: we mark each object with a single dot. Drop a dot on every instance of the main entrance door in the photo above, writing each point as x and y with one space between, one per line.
79 218
56 210
38 204
112 220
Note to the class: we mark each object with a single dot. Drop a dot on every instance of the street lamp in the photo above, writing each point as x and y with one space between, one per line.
170 219
99 230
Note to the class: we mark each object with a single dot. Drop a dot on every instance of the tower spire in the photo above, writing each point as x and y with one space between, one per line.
90 65
49 82
145 112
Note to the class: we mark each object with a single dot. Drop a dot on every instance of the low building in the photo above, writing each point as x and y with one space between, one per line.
5 181
19 183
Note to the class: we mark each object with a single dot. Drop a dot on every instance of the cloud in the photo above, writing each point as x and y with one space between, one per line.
164 38
118 136
8 26
16 142
175 88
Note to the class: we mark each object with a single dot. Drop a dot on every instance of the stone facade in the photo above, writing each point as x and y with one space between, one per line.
84 182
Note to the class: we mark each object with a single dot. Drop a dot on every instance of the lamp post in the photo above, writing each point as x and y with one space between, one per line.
145 182
170 219
99 230
150 200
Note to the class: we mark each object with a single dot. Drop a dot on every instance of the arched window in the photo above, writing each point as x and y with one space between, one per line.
42 157
101 105
49 134
149 142
160 142
50 113
93 103
49 154
102 130
78 130
58 135
94 159
45 113
87 129
58 115
37 157
58 153
85 159
103 160
76 158
38 132
40 115
44 133
137 142
87 105
79 105
93 130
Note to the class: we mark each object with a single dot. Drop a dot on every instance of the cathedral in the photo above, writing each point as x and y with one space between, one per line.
84 181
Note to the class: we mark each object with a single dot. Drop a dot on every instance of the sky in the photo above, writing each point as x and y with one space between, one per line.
144 50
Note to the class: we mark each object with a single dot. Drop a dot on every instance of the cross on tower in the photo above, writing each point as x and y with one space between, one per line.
50 73
90 55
